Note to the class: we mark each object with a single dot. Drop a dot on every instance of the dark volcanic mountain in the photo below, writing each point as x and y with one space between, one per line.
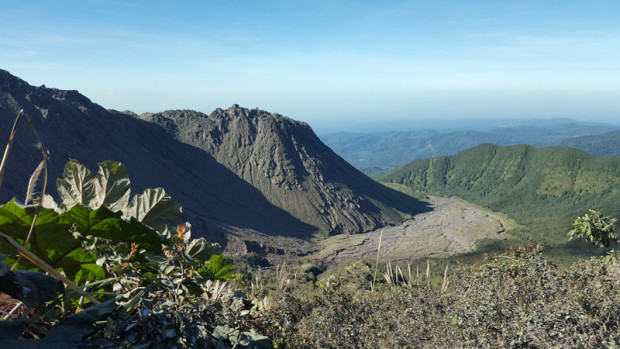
238 172
290 166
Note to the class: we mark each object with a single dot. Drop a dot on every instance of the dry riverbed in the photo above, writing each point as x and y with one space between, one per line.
451 228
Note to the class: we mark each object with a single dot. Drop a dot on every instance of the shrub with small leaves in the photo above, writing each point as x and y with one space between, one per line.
517 299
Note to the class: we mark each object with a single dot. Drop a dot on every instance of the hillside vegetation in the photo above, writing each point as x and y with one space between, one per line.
514 300
543 189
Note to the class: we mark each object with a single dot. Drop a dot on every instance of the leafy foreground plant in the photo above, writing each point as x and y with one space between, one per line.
514 300
159 288
597 230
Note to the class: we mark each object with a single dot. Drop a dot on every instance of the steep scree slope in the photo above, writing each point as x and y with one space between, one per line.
288 163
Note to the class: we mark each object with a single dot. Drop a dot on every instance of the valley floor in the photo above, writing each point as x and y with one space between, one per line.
451 228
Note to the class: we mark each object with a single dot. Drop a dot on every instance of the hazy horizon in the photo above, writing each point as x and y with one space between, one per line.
333 64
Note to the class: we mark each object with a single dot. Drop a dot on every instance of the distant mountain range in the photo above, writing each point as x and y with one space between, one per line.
604 144
248 178
374 153
542 188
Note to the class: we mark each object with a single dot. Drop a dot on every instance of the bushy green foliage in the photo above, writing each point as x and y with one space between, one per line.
158 288
61 239
171 299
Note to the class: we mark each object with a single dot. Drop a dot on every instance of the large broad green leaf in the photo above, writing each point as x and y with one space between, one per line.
54 242
77 185
50 238
112 186
152 208
104 223
14 221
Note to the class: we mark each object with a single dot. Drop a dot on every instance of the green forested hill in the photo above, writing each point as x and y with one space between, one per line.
542 188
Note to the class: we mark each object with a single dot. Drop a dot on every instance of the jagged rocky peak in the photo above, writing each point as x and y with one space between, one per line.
289 165
247 139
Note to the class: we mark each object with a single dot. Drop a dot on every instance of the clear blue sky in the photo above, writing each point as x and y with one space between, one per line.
325 62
